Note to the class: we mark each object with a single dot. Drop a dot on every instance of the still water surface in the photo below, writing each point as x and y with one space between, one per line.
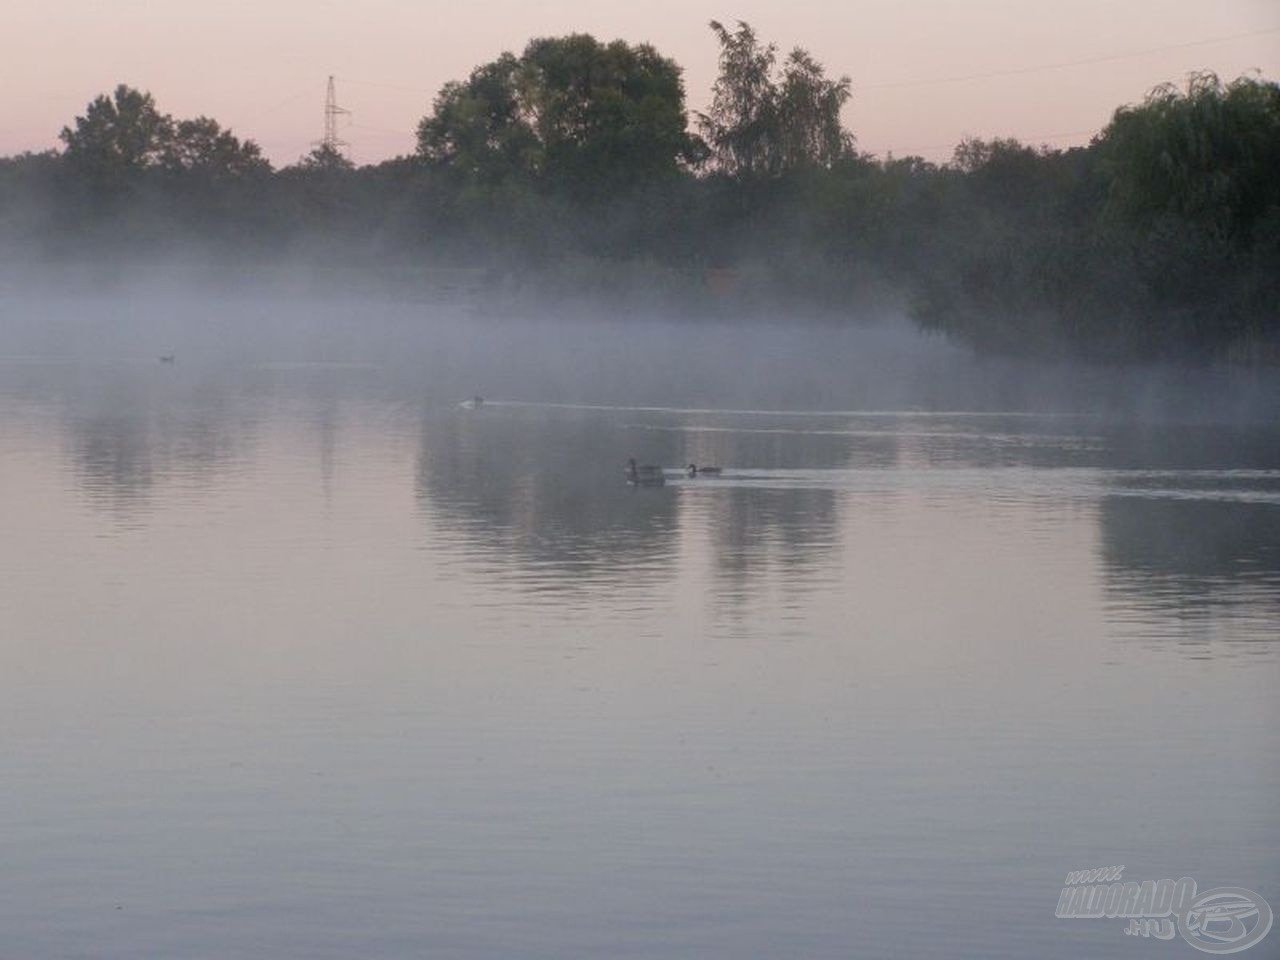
302 660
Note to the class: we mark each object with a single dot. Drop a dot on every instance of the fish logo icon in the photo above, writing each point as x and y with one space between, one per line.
1225 920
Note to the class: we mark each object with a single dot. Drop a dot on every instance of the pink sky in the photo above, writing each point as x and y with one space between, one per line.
260 66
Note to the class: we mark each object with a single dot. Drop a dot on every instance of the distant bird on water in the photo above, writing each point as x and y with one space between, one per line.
696 471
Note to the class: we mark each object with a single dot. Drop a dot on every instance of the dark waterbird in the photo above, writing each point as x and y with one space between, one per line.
694 470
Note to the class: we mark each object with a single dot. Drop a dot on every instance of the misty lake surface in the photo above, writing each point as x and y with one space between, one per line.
300 659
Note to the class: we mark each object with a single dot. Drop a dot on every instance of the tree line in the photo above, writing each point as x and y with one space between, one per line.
576 162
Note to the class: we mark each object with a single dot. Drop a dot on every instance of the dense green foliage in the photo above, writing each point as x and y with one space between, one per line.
125 132
571 168
1163 236
570 113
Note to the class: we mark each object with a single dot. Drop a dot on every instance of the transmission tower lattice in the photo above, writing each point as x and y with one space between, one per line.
332 142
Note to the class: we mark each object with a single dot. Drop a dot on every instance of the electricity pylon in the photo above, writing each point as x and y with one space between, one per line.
332 142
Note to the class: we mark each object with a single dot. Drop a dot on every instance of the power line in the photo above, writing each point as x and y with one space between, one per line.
332 110
398 131
293 98
959 78
391 86
1017 71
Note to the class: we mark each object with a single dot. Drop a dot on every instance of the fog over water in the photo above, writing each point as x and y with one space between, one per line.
451 338
300 658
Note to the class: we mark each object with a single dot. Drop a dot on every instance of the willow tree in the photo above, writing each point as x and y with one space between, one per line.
762 123
1207 154
1193 187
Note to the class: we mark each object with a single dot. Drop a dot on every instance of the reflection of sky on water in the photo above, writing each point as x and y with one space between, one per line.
530 494
378 671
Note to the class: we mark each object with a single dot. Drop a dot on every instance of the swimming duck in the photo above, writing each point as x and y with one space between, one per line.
694 470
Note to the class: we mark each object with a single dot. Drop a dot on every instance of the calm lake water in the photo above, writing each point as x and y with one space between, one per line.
300 659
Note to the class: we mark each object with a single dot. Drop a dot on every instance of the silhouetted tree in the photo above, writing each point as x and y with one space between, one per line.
324 158
478 128
1209 154
809 105
759 125
604 113
118 133
570 112
740 127
203 146
125 132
